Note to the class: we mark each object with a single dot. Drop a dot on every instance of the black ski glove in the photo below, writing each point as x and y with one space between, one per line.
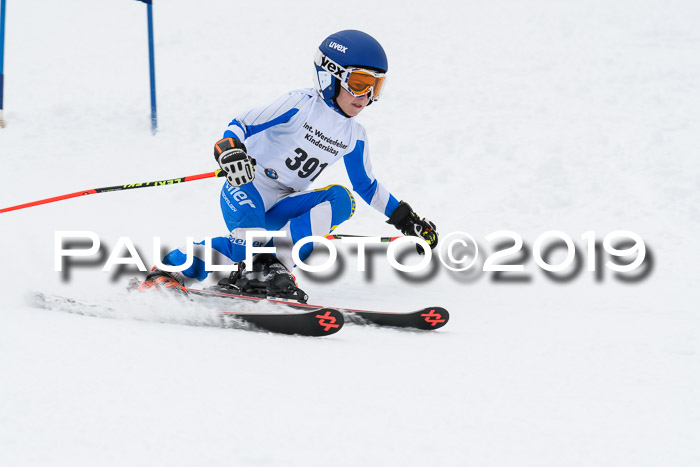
409 223
234 161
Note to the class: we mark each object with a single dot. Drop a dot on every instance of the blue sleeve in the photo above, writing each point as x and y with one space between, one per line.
359 170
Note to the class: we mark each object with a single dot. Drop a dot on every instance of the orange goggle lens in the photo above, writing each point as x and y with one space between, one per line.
361 82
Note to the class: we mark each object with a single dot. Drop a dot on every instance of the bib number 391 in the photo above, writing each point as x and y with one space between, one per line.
306 166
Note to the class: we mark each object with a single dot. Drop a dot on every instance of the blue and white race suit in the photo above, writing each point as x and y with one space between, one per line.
293 140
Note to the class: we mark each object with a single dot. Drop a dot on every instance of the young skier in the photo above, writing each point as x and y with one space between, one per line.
271 155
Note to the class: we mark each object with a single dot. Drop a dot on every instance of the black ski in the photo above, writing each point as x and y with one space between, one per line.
308 320
428 319
315 322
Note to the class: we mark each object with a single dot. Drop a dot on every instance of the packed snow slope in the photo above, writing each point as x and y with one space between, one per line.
502 115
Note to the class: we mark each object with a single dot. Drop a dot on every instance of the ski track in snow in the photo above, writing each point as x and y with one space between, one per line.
530 117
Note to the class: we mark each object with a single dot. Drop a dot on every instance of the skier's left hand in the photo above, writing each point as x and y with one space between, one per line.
410 223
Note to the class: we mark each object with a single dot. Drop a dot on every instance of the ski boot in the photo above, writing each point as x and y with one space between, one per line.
171 282
268 278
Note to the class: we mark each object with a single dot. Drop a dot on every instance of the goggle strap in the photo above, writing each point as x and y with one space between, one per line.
324 61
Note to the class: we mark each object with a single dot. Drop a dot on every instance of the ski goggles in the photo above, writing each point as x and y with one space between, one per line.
362 82
357 81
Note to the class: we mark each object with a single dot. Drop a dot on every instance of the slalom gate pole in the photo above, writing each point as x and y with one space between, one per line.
2 59
92 191
151 65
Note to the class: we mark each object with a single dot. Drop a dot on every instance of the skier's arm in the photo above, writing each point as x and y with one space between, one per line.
359 169
400 214
230 152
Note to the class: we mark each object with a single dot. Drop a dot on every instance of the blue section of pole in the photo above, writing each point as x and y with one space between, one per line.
2 60
152 60
2 40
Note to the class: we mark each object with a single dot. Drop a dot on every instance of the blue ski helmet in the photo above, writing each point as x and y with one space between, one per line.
349 48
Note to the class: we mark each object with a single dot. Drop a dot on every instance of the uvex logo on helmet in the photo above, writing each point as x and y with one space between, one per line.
332 67
338 47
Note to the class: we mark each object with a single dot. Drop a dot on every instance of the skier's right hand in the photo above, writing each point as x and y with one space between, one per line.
234 161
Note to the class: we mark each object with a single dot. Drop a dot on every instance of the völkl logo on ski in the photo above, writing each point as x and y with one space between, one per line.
433 318
327 325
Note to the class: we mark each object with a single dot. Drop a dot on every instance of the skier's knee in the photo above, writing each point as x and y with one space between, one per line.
343 203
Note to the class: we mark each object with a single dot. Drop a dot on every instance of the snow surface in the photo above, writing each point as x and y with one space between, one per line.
526 116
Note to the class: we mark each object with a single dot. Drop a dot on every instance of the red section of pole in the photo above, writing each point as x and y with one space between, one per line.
130 186
49 200
216 173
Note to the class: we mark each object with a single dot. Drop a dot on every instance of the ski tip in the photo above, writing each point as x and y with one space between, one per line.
433 317
329 321
426 319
